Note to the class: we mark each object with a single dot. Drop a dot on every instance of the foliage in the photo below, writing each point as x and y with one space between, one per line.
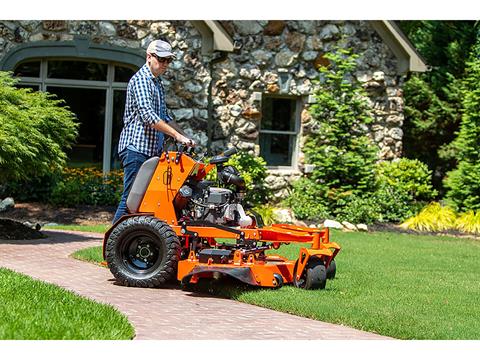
469 222
34 310
463 183
433 100
267 213
34 131
36 188
336 141
253 170
434 217
408 176
70 187
430 124
305 201
88 186
386 204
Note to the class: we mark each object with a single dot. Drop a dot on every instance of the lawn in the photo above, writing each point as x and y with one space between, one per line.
398 285
101 228
34 310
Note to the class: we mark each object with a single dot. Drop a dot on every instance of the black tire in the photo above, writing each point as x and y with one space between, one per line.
143 251
278 280
314 277
331 270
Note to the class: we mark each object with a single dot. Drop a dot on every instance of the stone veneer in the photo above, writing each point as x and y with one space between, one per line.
276 57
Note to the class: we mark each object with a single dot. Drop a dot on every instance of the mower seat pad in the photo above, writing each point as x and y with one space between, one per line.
140 184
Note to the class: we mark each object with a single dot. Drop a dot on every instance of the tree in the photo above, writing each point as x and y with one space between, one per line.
463 183
34 131
433 100
336 141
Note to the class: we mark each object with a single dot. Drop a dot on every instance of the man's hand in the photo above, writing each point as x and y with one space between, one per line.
185 140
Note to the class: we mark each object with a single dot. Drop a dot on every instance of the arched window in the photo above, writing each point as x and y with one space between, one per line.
92 79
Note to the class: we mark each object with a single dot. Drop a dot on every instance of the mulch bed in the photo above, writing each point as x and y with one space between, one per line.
14 222
14 230
45 213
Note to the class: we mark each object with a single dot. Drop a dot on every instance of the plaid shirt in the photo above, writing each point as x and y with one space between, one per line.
145 106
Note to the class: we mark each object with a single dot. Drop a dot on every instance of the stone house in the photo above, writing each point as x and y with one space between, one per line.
242 83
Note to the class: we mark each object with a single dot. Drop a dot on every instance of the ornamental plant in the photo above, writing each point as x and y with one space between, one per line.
336 140
463 183
35 130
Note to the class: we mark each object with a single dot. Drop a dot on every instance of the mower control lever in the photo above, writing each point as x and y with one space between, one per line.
230 152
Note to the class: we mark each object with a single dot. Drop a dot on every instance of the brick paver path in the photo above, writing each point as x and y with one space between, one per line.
159 313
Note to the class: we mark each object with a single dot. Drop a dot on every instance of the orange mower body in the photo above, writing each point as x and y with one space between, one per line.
182 227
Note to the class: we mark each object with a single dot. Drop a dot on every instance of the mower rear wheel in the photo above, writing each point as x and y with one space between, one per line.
314 277
331 270
143 251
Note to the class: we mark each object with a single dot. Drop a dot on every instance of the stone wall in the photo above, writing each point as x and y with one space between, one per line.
275 57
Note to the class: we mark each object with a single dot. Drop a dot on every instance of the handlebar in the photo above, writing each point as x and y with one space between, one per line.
230 152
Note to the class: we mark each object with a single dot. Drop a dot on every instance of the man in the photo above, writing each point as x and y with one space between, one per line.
146 118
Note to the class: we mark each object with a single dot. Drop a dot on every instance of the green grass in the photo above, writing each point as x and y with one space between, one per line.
91 254
34 310
398 285
87 228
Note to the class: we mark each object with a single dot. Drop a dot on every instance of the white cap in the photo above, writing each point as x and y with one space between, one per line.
160 48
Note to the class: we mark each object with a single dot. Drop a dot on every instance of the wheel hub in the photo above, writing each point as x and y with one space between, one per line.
144 252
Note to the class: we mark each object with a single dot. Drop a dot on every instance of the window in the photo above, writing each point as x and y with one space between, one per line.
95 92
279 130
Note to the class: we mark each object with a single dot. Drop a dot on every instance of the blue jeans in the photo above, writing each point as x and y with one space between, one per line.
131 161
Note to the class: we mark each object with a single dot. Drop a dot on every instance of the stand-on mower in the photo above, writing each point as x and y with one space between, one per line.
185 227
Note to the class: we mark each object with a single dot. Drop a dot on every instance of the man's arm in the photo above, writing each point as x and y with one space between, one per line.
170 130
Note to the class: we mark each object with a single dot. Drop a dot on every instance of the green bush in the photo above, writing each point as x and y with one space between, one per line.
463 183
402 188
407 176
34 132
464 186
37 188
336 141
253 170
305 202
87 186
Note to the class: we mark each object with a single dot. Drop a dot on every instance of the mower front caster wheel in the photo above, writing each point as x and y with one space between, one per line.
331 270
314 276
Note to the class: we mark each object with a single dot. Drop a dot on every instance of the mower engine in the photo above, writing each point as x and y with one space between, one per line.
202 201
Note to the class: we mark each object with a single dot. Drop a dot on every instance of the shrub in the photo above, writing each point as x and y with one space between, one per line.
266 212
36 188
469 222
464 186
407 176
253 170
88 186
34 131
305 202
336 141
463 183
433 217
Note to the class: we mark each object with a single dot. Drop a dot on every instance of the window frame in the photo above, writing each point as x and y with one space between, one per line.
296 132
109 86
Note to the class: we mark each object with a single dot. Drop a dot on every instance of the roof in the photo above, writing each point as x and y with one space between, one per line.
408 57
216 38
